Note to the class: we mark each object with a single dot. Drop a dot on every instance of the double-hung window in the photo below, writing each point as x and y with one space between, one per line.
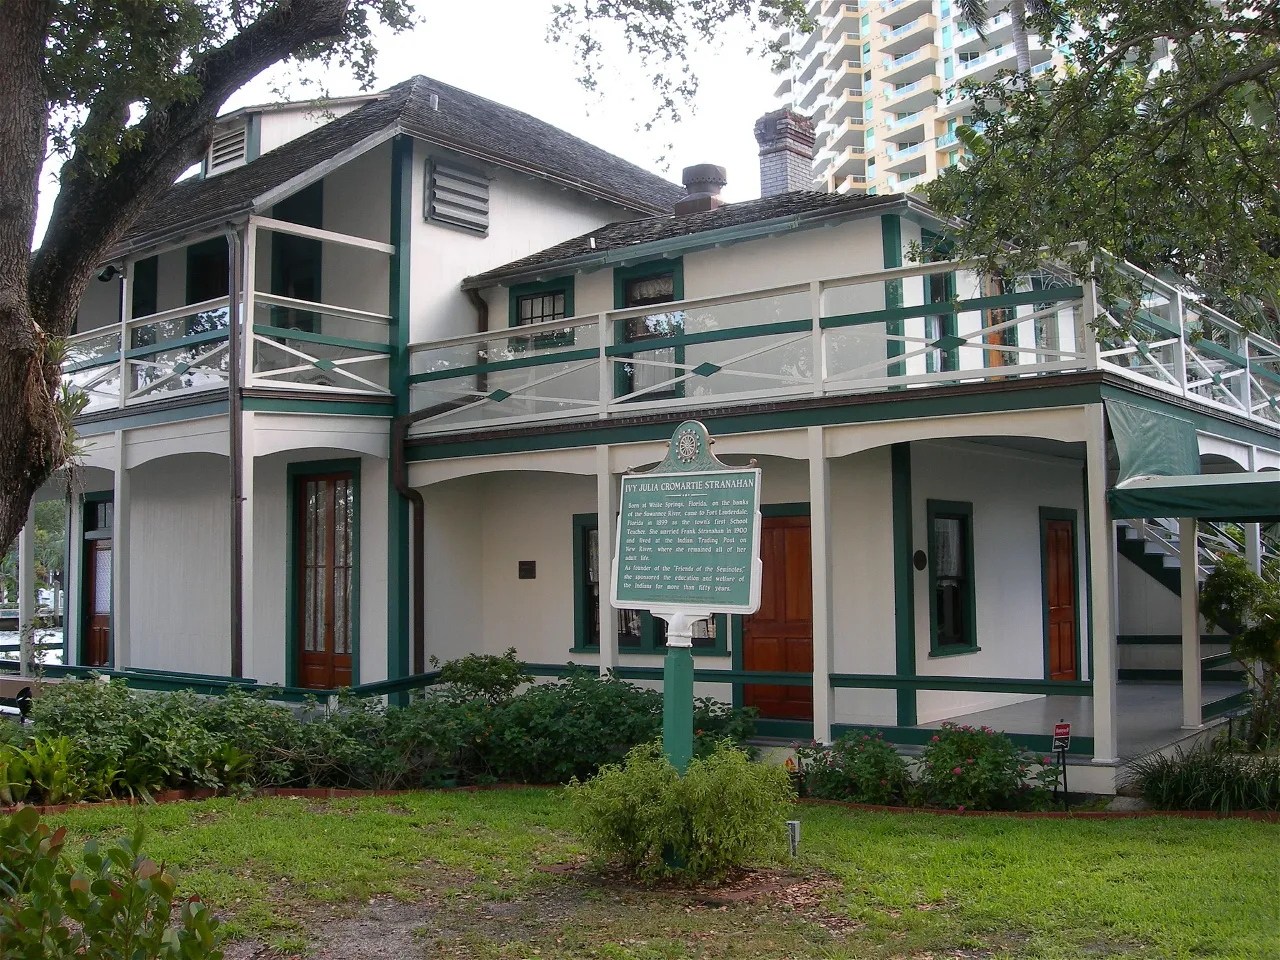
543 302
952 614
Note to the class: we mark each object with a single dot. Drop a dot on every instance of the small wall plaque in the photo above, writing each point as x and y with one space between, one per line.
528 569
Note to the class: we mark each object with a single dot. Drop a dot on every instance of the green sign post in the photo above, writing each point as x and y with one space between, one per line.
688 547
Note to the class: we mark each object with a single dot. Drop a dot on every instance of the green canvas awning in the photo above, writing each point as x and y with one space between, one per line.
1152 444
1242 497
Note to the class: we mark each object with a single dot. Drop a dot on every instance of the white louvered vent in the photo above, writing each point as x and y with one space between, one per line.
227 150
458 197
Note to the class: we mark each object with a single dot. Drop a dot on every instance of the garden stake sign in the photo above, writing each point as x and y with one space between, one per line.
688 547
1061 744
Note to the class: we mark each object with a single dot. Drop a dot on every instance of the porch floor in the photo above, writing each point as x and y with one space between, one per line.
1149 715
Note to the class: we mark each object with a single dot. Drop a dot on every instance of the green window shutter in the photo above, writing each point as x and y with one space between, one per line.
145 285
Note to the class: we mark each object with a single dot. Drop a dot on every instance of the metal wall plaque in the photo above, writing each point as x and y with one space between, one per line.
689 533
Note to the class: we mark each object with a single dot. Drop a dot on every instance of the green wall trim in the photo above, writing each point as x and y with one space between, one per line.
963 510
886 407
401 234
889 681
252 137
357 408
292 472
106 360
83 536
891 241
1059 513
1218 708
962 306
793 509
904 594
287 333
1131 639
194 340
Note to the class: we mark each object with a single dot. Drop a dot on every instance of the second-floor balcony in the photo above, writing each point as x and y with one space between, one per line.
293 342
834 336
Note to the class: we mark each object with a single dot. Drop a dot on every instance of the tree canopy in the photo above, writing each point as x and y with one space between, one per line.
1158 144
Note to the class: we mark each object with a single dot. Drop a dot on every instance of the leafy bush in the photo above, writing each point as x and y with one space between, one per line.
1209 776
112 905
976 768
1248 606
859 768
484 676
723 813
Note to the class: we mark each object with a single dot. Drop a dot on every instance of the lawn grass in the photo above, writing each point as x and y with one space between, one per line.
455 874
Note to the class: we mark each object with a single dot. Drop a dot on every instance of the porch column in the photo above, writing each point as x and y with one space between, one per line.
606 527
27 591
244 609
820 559
1253 546
1102 548
120 559
1189 570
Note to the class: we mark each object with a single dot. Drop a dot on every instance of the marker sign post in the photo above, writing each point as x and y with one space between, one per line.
688 547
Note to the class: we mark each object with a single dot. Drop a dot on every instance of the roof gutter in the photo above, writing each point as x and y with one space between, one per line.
690 242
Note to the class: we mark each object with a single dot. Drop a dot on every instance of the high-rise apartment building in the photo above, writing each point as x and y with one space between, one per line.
879 80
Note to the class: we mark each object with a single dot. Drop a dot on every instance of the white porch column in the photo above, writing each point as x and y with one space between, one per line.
1253 546
606 528
120 559
247 458
1102 548
1189 570
27 592
820 558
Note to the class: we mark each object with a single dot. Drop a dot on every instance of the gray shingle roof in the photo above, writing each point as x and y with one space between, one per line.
788 210
464 122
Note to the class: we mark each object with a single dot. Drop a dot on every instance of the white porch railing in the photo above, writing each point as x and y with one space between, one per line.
825 337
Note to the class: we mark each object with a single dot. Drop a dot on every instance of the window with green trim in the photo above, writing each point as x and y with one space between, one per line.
940 329
649 284
952 611
638 630
549 300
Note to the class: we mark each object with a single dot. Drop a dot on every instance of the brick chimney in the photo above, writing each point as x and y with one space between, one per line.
702 183
786 152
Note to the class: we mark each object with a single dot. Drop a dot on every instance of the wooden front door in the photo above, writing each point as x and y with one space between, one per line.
779 636
97 603
1060 598
324 536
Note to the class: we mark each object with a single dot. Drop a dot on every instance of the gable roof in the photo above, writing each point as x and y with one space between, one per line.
463 122
636 239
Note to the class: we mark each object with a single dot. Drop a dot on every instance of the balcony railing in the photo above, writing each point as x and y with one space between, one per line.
289 344
832 337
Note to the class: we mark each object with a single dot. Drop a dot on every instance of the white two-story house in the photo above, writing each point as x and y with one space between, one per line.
361 396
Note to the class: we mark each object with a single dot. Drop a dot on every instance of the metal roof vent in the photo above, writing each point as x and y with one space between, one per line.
703 181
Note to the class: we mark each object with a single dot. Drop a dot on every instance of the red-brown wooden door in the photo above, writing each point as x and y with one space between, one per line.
325 542
1060 598
779 636
97 603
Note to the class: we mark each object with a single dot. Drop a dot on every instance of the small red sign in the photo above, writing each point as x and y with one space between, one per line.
1061 730
1061 737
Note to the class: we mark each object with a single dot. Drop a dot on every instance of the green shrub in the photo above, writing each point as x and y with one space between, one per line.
116 904
977 768
484 676
714 720
1209 776
725 812
858 768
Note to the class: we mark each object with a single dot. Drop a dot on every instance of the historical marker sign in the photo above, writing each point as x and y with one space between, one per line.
689 533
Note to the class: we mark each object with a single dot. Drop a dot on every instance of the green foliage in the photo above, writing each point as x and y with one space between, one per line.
725 812
1209 776
115 904
977 768
858 768
485 677
1248 606
1171 168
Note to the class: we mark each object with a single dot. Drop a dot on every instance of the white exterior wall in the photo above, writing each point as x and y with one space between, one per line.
1006 489
357 201
99 305
525 215
179 550
280 126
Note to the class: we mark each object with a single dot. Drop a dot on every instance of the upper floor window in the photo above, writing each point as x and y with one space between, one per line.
543 302
540 307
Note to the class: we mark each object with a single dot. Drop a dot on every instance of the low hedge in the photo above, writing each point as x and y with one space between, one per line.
95 739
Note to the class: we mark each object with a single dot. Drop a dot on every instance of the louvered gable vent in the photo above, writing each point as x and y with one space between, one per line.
227 150
458 197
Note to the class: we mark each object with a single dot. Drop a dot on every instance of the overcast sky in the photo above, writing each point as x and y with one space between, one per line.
498 49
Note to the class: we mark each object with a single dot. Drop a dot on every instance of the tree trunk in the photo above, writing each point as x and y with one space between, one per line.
29 435
1021 42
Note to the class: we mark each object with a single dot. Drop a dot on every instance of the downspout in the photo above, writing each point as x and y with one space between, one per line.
235 410
417 508
482 325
